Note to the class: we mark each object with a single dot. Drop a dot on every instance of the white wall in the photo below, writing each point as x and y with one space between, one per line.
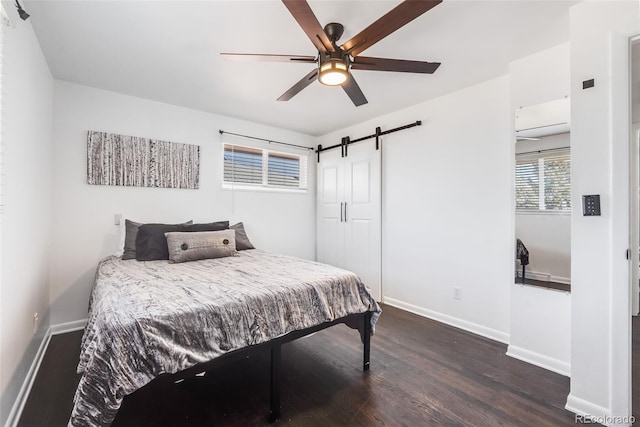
541 327
635 81
540 318
600 333
634 169
446 209
546 235
26 196
83 215
548 240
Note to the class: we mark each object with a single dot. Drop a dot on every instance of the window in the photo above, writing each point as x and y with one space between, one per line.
543 183
283 170
260 168
242 165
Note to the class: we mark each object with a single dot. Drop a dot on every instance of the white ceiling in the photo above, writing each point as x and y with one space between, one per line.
169 51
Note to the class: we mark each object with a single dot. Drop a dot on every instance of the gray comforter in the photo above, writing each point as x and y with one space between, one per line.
150 318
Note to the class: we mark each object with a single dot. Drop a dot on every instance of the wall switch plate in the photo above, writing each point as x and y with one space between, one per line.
457 293
591 205
117 219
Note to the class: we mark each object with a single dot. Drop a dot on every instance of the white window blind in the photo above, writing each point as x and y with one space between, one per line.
527 184
283 170
258 167
242 165
543 182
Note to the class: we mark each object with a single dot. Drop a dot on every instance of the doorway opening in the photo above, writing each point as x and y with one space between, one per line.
634 217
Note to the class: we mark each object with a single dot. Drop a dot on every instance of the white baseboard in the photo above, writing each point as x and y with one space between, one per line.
596 413
475 328
535 275
555 365
564 280
544 277
21 399
63 328
23 394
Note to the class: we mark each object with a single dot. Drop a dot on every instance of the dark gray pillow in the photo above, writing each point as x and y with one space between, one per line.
131 232
200 245
210 226
151 243
242 241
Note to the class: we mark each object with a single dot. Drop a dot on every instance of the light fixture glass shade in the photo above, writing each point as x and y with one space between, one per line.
333 72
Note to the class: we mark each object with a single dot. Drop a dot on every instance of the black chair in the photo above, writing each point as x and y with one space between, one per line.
522 254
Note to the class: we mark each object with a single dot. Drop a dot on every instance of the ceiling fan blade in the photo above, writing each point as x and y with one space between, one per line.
401 65
398 17
267 57
296 88
305 17
354 91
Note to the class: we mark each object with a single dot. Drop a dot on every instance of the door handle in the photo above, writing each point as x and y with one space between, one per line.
345 211
341 211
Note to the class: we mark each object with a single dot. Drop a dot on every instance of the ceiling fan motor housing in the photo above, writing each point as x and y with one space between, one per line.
334 31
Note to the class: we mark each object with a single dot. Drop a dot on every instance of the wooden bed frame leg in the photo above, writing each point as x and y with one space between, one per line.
276 362
367 340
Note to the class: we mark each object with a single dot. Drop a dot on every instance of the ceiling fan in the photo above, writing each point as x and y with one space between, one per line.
334 62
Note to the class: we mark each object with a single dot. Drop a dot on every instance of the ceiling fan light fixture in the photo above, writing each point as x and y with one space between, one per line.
333 72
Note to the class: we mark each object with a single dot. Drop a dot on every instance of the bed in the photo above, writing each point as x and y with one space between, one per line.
155 318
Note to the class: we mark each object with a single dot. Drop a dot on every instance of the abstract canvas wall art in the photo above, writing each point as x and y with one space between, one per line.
114 159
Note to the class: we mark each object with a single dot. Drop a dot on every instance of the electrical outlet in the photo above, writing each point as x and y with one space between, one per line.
457 293
36 320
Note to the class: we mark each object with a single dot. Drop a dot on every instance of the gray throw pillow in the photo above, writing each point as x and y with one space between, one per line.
242 241
131 232
193 246
151 243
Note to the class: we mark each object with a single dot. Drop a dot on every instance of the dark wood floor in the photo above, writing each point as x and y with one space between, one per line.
422 373
544 284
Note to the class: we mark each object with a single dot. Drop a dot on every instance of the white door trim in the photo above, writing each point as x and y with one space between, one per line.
634 202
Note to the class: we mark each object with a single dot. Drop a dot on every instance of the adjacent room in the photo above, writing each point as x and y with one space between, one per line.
298 212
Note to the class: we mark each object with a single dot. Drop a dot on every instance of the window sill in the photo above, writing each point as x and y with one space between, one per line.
539 212
264 189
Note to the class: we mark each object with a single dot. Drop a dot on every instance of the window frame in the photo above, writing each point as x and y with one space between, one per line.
541 157
303 179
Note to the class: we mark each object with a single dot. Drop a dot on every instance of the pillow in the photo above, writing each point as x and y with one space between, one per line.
131 232
192 246
242 241
210 226
151 243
